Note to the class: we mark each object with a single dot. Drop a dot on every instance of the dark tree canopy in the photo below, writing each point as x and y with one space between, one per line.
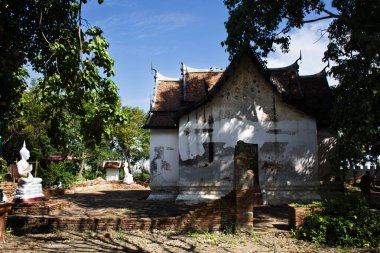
72 57
354 48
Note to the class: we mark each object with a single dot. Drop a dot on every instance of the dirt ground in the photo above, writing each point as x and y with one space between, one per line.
162 241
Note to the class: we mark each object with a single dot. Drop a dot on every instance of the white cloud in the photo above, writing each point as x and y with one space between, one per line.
145 25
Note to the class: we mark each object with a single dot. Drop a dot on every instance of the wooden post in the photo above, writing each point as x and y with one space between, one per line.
13 176
35 170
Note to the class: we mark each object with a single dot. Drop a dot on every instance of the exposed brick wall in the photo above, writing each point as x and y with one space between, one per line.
212 216
39 208
297 216
53 192
9 189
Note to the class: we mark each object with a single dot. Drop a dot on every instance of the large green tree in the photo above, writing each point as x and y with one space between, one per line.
132 138
73 60
354 47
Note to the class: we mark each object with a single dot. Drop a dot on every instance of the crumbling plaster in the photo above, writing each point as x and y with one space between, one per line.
249 109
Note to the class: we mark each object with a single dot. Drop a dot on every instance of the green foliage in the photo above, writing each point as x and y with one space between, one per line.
230 229
345 221
3 163
141 177
76 87
266 23
354 36
29 127
101 152
132 138
314 204
92 173
58 173
3 168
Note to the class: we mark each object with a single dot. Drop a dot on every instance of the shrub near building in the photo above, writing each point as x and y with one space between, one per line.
346 221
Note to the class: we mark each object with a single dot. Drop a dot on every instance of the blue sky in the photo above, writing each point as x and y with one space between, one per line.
168 32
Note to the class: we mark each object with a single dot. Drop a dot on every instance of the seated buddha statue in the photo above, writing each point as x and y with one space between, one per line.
29 188
24 168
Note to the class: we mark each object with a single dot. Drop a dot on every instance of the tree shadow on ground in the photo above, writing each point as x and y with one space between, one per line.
112 241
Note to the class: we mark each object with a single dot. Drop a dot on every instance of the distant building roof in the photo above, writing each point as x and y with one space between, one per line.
62 157
173 97
111 164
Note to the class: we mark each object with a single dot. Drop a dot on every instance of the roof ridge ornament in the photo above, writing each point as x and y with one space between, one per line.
159 77
299 58
153 69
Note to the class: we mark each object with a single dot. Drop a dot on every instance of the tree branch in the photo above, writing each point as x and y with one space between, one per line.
317 19
331 14
40 23
80 33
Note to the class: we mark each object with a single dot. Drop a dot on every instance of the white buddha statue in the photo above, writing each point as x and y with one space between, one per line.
128 178
24 168
29 188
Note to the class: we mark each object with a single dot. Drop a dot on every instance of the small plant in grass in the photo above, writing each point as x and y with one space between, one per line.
314 204
205 234
347 221
229 229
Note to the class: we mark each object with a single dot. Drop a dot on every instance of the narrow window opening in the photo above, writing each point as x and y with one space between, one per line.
210 152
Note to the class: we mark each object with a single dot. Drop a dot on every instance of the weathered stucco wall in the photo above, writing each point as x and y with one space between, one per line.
326 144
164 164
247 108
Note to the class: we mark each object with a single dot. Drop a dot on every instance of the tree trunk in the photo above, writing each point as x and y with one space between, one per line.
80 173
128 160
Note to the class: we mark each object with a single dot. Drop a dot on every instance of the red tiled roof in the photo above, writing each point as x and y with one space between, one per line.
198 84
288 80
168 96
308 93
112 165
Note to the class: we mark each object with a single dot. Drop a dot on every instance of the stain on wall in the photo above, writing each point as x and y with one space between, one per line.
158 163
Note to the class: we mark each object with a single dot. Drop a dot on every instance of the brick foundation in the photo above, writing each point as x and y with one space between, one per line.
39 208
297 216
211 216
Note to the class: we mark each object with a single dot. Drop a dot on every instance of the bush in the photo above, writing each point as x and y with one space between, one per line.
58 173
91 174
3 168
346 221
141 177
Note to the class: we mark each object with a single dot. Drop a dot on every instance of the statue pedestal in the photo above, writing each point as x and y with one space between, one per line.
29 200
29 191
